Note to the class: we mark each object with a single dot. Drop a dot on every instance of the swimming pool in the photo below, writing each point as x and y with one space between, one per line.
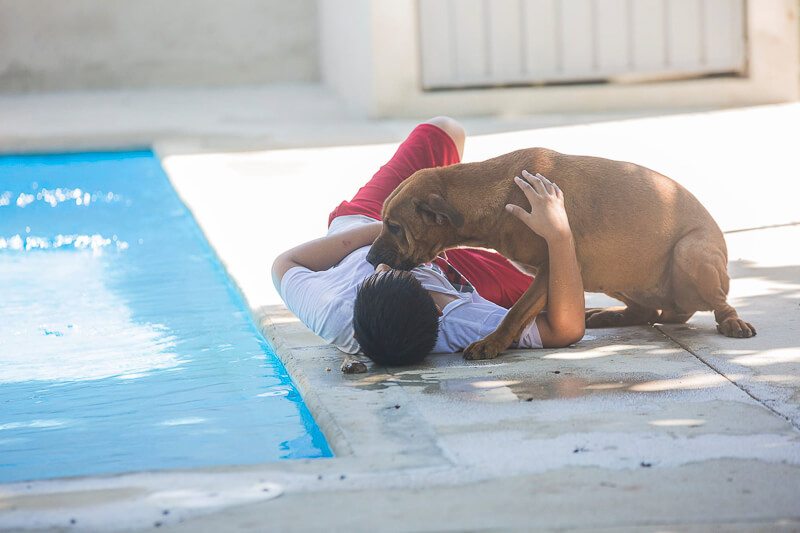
124 346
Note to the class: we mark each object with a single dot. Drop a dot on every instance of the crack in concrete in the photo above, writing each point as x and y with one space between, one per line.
739 386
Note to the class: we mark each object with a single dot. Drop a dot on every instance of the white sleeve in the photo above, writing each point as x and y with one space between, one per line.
298 291
454 338
304 293
347 222
530 337
468 323
465 325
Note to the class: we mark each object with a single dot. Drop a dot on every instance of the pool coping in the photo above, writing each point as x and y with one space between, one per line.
377 426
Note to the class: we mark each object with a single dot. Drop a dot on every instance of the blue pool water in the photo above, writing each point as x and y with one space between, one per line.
124 346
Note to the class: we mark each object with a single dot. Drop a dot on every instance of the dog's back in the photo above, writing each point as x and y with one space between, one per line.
626 219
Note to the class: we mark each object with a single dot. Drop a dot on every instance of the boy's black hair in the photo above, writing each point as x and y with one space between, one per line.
395 319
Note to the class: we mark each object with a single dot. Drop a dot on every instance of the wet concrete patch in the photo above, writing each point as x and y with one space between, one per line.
552 385
556 386
376 382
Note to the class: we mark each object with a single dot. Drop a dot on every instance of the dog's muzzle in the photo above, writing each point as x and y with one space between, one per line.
375 257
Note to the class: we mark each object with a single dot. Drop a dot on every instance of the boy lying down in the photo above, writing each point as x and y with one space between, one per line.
396 317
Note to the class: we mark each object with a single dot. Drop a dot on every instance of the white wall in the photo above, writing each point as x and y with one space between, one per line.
345 49
77 44
393 72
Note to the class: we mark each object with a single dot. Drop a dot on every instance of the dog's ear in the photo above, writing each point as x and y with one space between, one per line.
436 210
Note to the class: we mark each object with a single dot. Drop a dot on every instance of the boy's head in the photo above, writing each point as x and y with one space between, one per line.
395 319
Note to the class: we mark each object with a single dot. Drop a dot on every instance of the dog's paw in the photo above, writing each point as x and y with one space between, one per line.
593 311
487 348
737 328
604 318
353 366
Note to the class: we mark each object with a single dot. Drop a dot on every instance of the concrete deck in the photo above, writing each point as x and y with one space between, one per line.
668 428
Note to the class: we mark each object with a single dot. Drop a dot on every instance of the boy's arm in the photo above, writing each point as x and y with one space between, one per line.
323 253
564 321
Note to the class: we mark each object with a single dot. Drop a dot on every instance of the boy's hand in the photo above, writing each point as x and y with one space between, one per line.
547 218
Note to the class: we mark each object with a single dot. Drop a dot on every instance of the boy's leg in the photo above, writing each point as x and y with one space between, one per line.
435 143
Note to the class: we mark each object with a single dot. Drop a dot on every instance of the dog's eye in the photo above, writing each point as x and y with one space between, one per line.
394 229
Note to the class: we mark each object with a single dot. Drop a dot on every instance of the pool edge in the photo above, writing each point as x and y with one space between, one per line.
323 417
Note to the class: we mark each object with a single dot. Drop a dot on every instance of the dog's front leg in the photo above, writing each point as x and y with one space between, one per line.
520 315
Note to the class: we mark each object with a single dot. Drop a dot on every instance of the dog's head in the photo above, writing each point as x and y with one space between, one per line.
418 223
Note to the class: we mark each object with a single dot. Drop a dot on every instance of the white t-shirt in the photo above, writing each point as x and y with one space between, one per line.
324 301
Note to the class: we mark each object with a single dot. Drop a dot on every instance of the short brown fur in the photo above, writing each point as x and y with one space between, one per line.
640 237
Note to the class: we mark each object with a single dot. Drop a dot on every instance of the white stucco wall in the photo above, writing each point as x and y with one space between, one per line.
391 73
345 49
78 44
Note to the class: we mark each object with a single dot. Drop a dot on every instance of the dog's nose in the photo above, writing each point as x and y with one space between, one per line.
373 258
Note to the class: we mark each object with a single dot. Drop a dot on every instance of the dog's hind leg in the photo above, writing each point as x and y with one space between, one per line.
612 317
700 281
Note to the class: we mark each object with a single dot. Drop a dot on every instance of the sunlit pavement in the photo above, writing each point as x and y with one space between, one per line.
667 427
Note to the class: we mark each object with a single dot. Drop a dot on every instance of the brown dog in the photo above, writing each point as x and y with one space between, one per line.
639 236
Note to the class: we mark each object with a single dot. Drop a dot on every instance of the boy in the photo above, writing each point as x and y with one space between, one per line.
400 316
